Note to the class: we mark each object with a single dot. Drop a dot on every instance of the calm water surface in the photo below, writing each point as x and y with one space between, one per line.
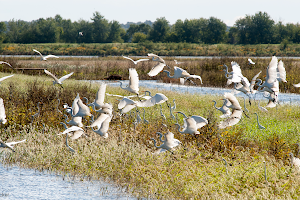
17 183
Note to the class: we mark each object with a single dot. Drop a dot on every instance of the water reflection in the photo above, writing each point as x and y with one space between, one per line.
17 183
154 84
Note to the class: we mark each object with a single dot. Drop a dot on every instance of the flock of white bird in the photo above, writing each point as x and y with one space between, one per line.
231 109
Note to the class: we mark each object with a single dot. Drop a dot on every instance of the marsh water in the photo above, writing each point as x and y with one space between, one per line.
153 84
19 183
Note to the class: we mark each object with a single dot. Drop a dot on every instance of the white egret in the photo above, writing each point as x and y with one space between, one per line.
259 125
224 108
102 131
235 76
237 112
177 63
2 112
250 62
158 67
181 73
137 61
295 161
44 58
80 33
75 121
168 143
56 80
2 62
98 122
192 124
133 86
126 104
75 132
99 100
5 77
84 110
9 145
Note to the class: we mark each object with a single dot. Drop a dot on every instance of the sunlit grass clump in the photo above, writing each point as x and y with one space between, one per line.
195 169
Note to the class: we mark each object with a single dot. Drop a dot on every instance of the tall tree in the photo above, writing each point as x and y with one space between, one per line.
114 33
2 31
100 28
215 31
159 30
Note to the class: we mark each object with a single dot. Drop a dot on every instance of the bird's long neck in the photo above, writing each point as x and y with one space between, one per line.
154 141
178 128
183 114
215 103
168 74
257 118
160 136
121 85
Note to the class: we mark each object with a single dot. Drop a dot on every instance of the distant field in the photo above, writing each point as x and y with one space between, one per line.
163 49
99 68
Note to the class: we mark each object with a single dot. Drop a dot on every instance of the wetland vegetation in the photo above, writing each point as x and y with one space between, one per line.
194 170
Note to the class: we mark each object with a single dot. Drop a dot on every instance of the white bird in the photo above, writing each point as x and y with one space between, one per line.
75 132
126 104
259 125
9 145
2 112
192 124
56 80
252 91
2 62
98 122
237 112
84 110
45 57
181 73
102 131
295 161
250 62
99 100
137 61
5 77
159 66
168 143
275 73
224 108
133 86
158 98
80 33
177 63
75 121
235 76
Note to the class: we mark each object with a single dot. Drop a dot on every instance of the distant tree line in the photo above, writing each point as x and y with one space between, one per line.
252 29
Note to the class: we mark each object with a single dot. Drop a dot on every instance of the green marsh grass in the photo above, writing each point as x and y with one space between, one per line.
194 170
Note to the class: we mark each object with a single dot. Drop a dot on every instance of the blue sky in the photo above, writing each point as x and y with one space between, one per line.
136 10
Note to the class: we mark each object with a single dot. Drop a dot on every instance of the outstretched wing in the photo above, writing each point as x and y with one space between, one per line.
281 71
5 77
2 62
156 69
98 122
200 121
50 74
128 58
140 60
38 52
51 56
253 81
65 77
71 129
13 143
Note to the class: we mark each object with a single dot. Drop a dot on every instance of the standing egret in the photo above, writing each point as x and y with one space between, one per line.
44 58
137 61
9 145
2 62
2 112
56 80
259 125
192 124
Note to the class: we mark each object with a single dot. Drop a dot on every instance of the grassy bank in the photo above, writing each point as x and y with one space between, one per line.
163 49
100 68
194 170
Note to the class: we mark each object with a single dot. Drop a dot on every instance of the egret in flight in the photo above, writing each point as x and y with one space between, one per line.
9 145
56 80
2 112
2 62
45 57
